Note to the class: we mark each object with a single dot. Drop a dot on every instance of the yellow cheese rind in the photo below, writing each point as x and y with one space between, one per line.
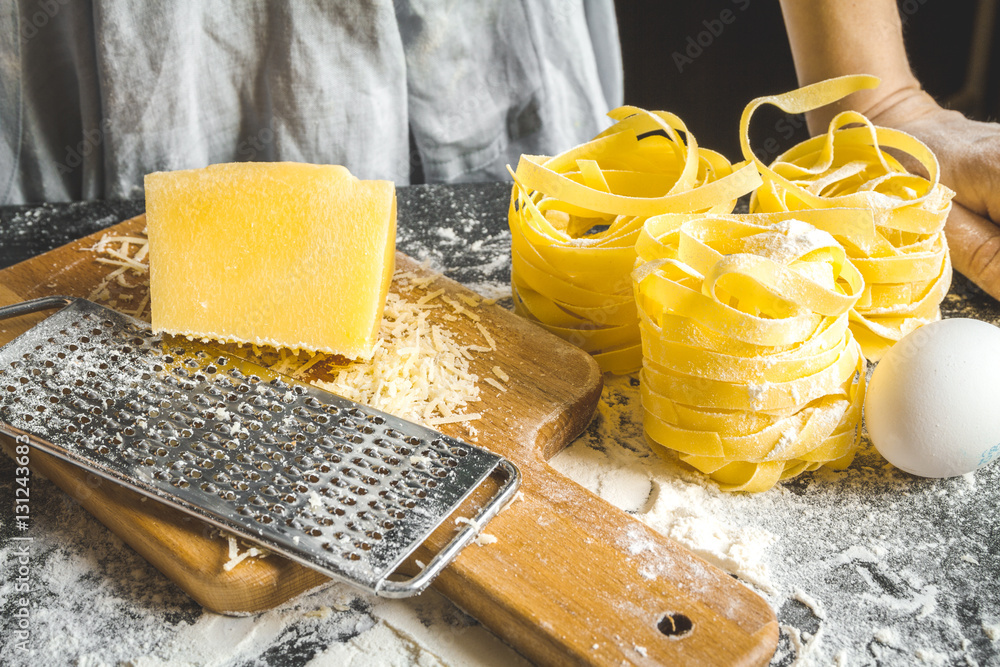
574 280
904 257
289 255
751 373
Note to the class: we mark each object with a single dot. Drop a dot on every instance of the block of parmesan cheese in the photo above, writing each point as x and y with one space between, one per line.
289 255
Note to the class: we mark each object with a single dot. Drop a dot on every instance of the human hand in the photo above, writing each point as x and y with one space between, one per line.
969 155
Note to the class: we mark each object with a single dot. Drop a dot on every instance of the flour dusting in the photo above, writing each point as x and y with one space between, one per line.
851 560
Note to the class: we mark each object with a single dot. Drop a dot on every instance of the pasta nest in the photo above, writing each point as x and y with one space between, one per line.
574 220
750 370
900 249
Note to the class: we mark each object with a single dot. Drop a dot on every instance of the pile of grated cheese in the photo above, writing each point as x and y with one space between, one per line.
418 371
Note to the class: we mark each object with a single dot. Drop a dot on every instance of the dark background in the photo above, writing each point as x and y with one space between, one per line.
750 57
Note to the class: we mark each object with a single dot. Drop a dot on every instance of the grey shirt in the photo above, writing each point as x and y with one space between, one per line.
95 94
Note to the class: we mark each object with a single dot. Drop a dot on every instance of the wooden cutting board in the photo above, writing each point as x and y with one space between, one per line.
570 579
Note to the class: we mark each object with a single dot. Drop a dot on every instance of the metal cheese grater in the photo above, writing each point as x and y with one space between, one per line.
335 485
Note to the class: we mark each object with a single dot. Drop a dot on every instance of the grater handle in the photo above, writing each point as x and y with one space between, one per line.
34 306
504 496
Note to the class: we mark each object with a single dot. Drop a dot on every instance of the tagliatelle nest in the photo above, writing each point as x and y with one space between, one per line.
575 217
901 249
750 372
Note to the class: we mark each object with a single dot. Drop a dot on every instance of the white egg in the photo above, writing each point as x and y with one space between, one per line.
933 403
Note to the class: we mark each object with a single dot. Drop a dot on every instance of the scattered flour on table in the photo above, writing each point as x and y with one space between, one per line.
851 561
859 565
673 501
96 590
491 290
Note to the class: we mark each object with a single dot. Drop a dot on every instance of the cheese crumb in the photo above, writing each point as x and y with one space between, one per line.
236 556
484 539
128 254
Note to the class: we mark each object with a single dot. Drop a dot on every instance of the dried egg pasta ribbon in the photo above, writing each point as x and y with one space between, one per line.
575 218
904 259
750 371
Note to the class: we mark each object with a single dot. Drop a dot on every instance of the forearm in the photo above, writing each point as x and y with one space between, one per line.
835 37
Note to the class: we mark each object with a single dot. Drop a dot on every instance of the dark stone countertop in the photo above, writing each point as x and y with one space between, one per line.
867 566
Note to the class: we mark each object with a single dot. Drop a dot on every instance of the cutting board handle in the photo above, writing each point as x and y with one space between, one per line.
572 580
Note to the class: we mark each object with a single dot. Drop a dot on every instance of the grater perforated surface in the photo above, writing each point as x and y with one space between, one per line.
338 486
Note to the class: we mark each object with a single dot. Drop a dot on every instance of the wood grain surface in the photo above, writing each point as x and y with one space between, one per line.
570 580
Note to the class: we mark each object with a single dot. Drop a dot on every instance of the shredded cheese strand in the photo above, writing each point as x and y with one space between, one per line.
418 372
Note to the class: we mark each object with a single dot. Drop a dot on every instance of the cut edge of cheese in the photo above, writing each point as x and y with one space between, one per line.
283 254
